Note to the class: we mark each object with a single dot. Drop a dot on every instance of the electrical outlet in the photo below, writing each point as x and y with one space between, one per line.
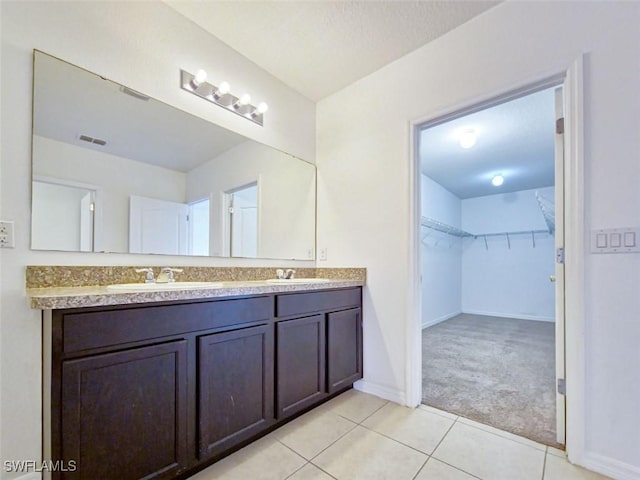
323 254
7 239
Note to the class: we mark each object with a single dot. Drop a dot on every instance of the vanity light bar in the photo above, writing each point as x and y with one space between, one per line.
221 96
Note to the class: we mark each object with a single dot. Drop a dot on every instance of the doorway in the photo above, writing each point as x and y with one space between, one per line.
243 221
492 293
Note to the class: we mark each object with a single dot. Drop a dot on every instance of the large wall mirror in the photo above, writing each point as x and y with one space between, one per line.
117 171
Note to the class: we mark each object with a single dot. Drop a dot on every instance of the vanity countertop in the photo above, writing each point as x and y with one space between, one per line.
50 298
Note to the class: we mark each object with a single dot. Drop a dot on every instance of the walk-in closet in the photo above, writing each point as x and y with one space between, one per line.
488 265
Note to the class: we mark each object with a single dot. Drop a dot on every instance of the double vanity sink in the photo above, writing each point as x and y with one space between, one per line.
200 367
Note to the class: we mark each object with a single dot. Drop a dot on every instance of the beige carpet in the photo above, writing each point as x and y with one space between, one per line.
497 371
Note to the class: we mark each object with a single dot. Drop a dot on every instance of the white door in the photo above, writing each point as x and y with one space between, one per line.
244 222
157 226
559 273
86 223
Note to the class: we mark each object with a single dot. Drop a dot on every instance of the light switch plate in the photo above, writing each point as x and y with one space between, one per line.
7 239
616 240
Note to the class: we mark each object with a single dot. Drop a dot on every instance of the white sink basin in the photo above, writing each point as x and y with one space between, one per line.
163 286
297 280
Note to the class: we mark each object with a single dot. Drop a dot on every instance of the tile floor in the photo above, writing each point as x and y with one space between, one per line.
356 436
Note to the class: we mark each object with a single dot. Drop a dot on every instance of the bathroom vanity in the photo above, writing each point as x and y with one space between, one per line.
160 389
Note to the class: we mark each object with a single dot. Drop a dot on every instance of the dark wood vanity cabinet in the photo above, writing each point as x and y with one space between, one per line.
235 387
301 361
115 406
159 391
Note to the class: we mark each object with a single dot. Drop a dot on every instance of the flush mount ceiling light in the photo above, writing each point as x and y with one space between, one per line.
222 96
497 180
467 138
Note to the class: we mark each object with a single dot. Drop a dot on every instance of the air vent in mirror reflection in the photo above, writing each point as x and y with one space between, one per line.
97 141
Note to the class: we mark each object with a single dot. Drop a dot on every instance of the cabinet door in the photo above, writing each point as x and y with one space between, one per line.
344 349
235 386
124 414
300 346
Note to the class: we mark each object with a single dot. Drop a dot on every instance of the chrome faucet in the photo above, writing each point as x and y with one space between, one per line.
285 274
148 278
166 275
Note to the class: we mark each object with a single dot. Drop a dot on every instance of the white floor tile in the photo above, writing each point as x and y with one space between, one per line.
310 472
489 456
558 468
436 470
365 455
354 405
416 428
265 459
437 411
313 432
502 433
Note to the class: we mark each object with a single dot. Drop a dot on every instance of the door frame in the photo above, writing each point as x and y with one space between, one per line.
571 78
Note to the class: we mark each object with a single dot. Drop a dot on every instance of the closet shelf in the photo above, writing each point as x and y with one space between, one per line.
548 209
444 228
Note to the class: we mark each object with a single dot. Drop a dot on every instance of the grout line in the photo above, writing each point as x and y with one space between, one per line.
287 446
323 471
373 413
395 440
355 425
544 463
444 436
456 468
420 469
297 470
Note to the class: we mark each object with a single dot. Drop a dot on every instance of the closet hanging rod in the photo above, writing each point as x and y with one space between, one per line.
502 234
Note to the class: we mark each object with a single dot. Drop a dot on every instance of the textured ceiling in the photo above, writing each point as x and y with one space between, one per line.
320 47
515 139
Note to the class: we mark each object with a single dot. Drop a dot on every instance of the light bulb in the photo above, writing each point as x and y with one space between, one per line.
244 99
222 90
200 77
262 107
497 180
468 138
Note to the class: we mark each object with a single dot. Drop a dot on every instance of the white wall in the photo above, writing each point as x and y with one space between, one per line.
56 216
142 45
502 281
286 203
441 255
55 159
364 182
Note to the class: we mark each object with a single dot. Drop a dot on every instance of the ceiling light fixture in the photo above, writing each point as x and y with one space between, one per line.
222 96
497 180
468 138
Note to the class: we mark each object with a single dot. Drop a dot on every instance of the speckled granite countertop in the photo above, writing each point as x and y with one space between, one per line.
77 296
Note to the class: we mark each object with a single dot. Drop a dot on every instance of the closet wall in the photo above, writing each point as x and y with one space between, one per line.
441 261
502 281
502 277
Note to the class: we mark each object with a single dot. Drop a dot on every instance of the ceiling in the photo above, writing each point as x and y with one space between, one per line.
514 139
319 47
70 101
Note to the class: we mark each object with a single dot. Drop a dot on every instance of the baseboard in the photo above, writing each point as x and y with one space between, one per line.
440 319
509 315
396 396
610 467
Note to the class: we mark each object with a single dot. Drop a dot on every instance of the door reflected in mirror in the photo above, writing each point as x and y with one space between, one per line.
156 179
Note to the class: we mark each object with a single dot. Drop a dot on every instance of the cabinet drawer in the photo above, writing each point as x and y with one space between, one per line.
82 331
299 303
